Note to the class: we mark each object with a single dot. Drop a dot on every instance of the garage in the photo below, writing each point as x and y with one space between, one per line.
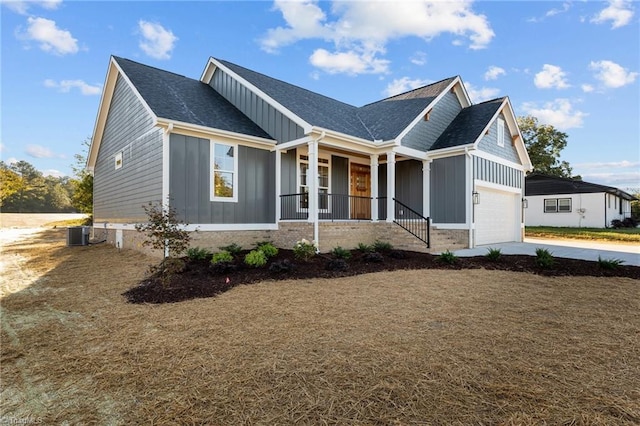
497 216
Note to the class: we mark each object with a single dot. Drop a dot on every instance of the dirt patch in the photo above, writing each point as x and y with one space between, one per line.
428 346
202 279
34 220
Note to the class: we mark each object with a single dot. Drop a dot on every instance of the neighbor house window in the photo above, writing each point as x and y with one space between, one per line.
557 205
500 132
225 172
323 182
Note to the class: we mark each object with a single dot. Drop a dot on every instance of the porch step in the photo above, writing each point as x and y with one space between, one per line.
441 239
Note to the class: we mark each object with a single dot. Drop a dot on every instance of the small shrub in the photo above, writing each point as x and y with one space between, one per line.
365 248
164 230
629 222
448 257
341 253
268 249
255 258
169 267
234 249
197 253
544 258
397 254
282 266
222 257
382 246
223 267
373 257
304 250
609 263
616 224
493 254
337 265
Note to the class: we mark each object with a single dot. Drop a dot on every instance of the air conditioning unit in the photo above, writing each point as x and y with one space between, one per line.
78 236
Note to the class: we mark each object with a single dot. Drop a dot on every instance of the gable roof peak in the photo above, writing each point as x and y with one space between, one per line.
430 90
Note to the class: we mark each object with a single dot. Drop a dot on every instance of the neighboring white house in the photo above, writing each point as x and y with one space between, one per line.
555 201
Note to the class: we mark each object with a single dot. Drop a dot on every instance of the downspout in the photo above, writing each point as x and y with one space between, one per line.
165 176
469 200
605 210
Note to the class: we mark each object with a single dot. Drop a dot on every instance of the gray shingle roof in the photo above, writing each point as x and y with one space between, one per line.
541 184
468 124
175 97
383 120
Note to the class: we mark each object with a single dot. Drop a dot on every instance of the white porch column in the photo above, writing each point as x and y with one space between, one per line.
374 187
278 184
312 182
426 188
391 186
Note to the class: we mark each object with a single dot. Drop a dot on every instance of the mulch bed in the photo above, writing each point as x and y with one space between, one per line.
202 279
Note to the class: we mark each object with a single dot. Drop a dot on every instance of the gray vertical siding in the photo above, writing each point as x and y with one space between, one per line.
425 133
490 171
190 184
489 143
289 170
118 195
339 175
409 184
260 112
448 190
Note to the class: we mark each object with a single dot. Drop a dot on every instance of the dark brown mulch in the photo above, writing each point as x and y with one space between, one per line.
202 279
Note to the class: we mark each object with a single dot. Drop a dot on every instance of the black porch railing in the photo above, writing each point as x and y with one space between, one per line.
330 207
413 222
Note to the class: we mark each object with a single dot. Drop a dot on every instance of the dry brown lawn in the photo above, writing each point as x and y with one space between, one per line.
408 348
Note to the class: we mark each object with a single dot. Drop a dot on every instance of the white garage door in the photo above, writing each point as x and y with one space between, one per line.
496 217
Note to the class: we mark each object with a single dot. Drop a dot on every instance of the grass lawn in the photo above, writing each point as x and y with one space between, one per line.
405 347
625 235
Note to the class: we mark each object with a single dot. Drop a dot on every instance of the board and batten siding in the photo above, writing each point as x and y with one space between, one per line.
490 171
190 176
272 121
447 186
424 134
118 195
489 143
408 185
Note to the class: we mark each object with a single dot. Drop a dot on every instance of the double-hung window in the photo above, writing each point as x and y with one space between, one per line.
557 205
224 185
323 182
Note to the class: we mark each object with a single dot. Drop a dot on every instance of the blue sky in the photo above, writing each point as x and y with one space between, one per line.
572 64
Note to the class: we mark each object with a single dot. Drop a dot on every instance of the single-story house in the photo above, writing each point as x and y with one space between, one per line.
557 201
237 154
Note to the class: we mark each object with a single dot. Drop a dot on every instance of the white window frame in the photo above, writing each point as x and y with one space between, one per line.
212 168
326 163
556 203
500 135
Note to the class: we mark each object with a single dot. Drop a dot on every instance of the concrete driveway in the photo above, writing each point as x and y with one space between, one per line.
572 249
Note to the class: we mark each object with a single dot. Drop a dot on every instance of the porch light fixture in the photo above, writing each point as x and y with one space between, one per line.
525 203
475 196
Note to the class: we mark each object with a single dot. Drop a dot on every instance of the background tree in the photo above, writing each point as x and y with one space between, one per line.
82 184
9 182
28 190
544 144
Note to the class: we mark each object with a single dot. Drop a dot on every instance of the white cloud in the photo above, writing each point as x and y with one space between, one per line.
587 88
558 113
404 84
553 12
156 41
494 72
350 62
364 28
65 86
11 160
629 180
51 38
481 94
419 58
551 76
39 151
22 7
624 164
619 12
611 74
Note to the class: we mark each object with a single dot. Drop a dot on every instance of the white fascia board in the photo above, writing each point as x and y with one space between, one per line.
450 152
410 152
498 187
349 139
429 107
197 227
208 74
210 132
499 160
293 144
103 110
